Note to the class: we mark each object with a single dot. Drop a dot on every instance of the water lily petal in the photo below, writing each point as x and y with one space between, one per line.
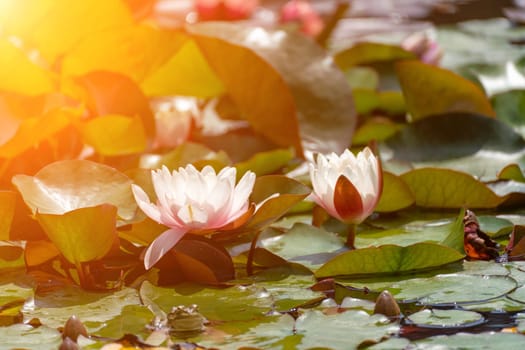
144 203
347 201
161 245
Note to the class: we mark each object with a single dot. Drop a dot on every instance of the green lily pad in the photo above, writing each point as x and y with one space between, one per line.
72 184
303 244
7 208
510 107
396 194
421 84
453 288
444 188
477 145
83 234
265 163
115 135
184 154
20 74
290 192
113 94
132 320
369 52
239 303
22 336
375 128
511 172
93 309
346 330
288 292
445 318
450 233
273 332
389 259
463 341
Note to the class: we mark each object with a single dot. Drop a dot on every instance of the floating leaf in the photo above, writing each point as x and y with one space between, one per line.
7 210
186 73
369 52
290 193
465 341
376 128
453 289
443 188
346 330
72 184
389 259
115 135
93 308
32 131
26 336
477 145
202 261
112 93
131 320
311 102
303 244
265 163
510 107
19 74
422 83
38 252
445 318
512 172
455 239
136 51
61 24
83 234
396 194
239 303
184 154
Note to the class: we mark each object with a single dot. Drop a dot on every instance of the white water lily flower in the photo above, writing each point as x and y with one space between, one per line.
346 186
194 201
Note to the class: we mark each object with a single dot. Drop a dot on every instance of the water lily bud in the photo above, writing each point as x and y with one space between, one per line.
68 344
73 328
348 187
302 13
387 305
230 10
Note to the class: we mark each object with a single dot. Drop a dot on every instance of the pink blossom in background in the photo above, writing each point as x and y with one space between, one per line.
427 49
348 187
230 10
173 120
302 13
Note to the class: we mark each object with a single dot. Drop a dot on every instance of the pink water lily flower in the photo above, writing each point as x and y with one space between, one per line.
346 186
194 201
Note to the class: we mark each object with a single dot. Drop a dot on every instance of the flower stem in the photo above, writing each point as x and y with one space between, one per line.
350 238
